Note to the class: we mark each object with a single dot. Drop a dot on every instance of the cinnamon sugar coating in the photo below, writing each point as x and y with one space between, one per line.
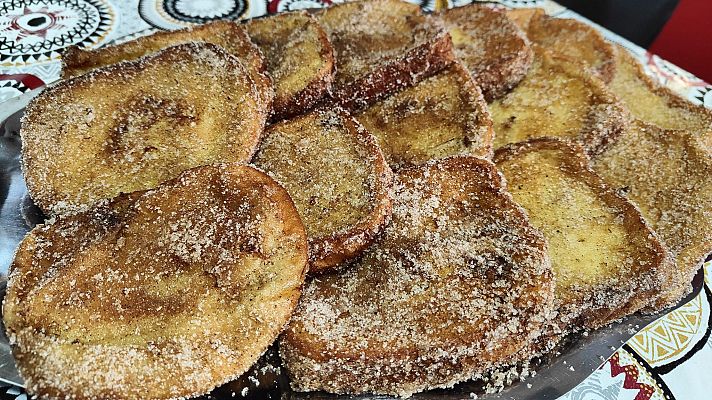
458 284
161 294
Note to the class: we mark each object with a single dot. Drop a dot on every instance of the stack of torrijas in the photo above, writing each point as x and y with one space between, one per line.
410 200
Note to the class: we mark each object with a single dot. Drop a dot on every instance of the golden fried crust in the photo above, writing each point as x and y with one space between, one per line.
668 175
226 34
457 284
574 39
338 179
160 294
129 127
654 103
607 261
299 58
522 17
441 116
381 46
491 46
558 98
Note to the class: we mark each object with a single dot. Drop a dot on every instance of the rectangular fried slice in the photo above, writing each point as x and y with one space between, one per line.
558 98
299 59
653 103
381 46
605 258
668 174
572 38
441 116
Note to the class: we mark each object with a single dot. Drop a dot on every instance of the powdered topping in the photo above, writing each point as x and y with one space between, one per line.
441 116
458 279
382 45
490 45
145 128
229 35
180 288
336 175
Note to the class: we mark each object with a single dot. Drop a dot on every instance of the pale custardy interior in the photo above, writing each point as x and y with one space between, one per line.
587 240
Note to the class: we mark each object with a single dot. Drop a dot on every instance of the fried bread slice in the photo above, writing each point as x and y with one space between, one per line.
441 116
337 177
226 34
572 38
491 46
458 283
160 294
299 59
381 46
606 259
558 98
668 175
654 103
128 126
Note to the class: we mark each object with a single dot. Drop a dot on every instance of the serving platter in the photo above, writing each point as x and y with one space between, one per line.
575 359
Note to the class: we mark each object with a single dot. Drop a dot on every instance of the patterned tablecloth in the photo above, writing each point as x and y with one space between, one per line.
669 359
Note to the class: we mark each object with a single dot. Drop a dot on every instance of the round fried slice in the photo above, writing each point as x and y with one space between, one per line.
493 48
299 58
338 178
458 283
443 115
158 294
133 125
668 175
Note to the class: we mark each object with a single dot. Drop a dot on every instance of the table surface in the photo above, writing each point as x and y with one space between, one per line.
669 359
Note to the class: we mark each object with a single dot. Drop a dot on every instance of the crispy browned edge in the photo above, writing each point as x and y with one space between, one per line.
496 82
300 354
410 68
126 200
476 96
114 71
652 280
605 71
349 243
298 103
602 125
622 55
